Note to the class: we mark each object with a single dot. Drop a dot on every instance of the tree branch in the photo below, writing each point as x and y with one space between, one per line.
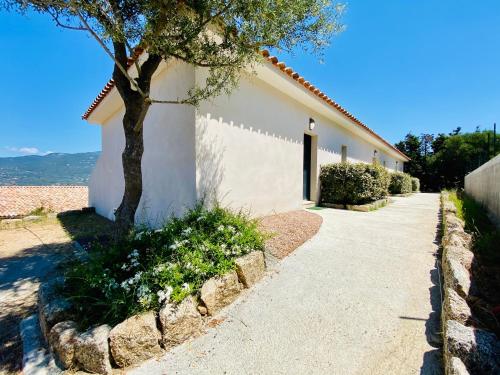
55 17
123 69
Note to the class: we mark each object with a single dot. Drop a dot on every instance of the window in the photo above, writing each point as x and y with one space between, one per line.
384 163
397 166
344 154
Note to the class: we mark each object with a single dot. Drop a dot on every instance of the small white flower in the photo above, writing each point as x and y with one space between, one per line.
231 229
125 286
164 295
138 236
133 254
220 228
186 286
186 232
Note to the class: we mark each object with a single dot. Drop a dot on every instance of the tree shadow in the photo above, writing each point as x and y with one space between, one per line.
20 276
432 363
87 227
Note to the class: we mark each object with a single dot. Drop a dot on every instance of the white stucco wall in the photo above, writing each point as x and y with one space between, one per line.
246 149
483 184
168 164
250 148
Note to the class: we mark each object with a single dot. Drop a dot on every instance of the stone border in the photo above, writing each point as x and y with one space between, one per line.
136 339
360 207
404 194
465 348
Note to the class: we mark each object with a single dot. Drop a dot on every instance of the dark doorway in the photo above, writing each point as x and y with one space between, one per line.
307 168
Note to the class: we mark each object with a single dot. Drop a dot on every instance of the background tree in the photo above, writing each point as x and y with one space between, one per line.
442 161
221 36
412 147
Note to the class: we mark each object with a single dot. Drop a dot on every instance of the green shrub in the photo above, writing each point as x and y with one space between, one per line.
486 235
400 183
415 184
149 267
347 183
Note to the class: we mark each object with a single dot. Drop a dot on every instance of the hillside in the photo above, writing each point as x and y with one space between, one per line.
51 169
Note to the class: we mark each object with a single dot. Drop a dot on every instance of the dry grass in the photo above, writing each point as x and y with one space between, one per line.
289 230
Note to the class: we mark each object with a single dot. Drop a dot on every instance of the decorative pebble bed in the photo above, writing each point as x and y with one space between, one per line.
289 230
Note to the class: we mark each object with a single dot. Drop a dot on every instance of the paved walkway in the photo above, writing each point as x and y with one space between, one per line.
359 298
27 254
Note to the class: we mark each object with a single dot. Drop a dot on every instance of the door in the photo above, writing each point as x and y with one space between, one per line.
307 168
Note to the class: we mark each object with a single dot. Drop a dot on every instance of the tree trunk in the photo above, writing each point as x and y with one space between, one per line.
136 107
131 161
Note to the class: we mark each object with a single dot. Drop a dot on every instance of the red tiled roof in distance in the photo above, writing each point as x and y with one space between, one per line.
279 65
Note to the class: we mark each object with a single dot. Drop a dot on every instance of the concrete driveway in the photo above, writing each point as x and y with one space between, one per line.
359 298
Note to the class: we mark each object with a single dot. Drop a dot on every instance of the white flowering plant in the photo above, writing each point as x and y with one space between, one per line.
151 267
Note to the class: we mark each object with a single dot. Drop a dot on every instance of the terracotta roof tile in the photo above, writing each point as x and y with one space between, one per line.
21 200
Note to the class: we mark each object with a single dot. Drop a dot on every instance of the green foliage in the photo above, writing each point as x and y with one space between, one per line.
400 183
441 161
40 211
486 235
152 266
415 184
220 36
347 183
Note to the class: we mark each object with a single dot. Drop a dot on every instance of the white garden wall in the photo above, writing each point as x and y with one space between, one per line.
483 184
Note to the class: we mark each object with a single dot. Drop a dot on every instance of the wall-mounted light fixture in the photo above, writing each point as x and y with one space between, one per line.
375 152
312 124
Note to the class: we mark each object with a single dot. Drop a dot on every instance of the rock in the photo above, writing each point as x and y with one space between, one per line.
449 207
456 276
458 239
52 308
180 323
455 307
134 340
461 254
32 218
62 342
218 292
358 207
92 350
479 350
455 366
453 223
12 222
202 310
250 268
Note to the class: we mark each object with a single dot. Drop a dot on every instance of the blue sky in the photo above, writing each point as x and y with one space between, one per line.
400 66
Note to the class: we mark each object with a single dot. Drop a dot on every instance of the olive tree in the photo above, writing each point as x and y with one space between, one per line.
222 36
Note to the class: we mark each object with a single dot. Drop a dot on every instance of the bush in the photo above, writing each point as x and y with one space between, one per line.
346 183
400 183
415 184
149 267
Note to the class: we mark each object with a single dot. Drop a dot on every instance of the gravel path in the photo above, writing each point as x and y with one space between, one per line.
358 298
289 230
26 255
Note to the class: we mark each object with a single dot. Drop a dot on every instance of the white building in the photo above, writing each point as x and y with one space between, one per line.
260 148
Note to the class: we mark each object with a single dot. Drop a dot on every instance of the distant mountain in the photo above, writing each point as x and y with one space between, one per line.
51 169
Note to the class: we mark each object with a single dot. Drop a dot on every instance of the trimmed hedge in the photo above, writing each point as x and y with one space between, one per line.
415 184
346 183
400 183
